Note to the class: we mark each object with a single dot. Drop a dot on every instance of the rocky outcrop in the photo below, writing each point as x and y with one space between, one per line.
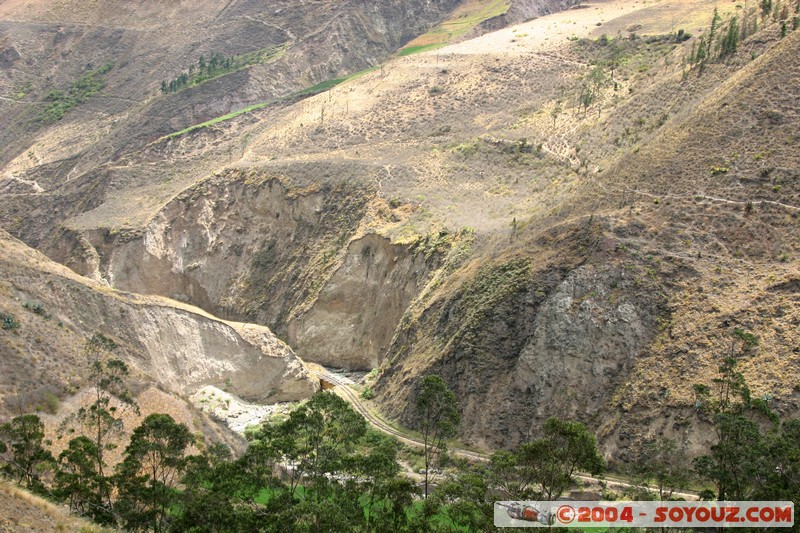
8 56
543 334
192 351
586 334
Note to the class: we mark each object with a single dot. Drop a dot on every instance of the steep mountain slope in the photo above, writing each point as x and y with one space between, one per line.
560 217
605 316
80 81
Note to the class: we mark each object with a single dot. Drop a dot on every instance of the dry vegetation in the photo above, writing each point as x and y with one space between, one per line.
686 181
43 359
22 511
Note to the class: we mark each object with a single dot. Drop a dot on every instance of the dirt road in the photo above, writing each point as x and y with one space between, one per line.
344 391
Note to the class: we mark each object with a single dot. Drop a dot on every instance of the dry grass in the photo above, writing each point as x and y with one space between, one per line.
22 511
395 121
445 138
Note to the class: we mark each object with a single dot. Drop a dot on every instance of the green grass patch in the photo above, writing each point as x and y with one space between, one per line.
419 49
469 15
330 84
60 102
310 91
321 87
217 120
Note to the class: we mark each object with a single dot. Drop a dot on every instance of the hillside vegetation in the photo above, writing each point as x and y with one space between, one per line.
576 215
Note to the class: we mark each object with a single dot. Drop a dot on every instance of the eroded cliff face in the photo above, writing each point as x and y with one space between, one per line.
222 239
187 351
176 346
355 315
252 248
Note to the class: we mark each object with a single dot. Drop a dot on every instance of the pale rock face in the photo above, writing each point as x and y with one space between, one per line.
353 320
179 347
209 250
189 351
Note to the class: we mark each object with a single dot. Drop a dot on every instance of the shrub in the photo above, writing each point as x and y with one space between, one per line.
36 308
367 393
60 102
50 403
716 171
8 322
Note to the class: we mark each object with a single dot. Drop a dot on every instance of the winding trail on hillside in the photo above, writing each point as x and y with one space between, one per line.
346 393
352 398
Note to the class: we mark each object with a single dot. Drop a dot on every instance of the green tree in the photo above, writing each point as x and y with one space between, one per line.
375 470
662 464
616 53
77 480
730 41
465 502
316 437
149 473
732 393
552 460
715 20
782 475
506 476
22 451
701 54
592 86
218 494
587 96
102 420
736 460
705 49
437 418
754 456
315 443
396 495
